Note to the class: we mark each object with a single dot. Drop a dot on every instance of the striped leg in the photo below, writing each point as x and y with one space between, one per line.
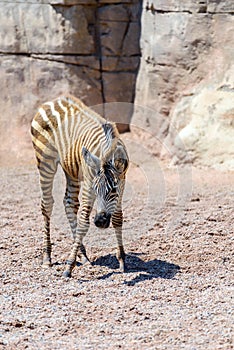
47 171
71 202
83 226
117 221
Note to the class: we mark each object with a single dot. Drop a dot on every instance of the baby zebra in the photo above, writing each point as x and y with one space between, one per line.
89 149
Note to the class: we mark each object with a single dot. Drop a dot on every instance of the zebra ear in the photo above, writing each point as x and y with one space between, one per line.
120 160
90 159
110 140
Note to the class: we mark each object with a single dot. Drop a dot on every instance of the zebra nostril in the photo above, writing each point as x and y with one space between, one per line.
102 220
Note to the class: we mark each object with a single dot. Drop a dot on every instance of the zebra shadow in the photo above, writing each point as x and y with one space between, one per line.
147 270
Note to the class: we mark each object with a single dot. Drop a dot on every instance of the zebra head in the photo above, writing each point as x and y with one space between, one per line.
107 182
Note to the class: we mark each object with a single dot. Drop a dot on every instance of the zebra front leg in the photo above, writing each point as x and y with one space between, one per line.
117 221
71 202
78 247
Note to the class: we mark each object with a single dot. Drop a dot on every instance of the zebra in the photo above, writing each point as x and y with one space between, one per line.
89 149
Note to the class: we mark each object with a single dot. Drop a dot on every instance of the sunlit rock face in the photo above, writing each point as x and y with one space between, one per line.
202 126
187 55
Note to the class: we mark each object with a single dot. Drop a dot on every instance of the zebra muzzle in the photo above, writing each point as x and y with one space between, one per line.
102 220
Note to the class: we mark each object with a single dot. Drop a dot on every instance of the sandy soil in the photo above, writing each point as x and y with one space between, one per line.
176 294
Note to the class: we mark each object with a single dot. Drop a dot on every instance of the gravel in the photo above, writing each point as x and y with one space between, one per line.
176 294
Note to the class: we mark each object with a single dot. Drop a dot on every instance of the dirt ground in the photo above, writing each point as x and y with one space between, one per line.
177 292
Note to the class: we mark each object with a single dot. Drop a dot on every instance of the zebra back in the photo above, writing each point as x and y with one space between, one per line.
62 127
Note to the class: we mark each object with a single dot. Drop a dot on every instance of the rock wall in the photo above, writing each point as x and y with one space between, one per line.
187 47
89 48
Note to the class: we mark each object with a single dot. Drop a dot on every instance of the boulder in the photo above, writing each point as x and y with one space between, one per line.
202 126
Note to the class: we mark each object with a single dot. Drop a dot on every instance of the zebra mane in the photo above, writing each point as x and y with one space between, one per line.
110 142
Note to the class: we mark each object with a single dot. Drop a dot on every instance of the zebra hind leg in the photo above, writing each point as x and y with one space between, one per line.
47 172
46 262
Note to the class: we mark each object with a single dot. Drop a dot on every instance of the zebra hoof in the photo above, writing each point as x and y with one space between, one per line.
46 264
122 267
86 261
67 274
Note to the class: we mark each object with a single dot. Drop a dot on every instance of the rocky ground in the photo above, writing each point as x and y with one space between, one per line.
176 294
